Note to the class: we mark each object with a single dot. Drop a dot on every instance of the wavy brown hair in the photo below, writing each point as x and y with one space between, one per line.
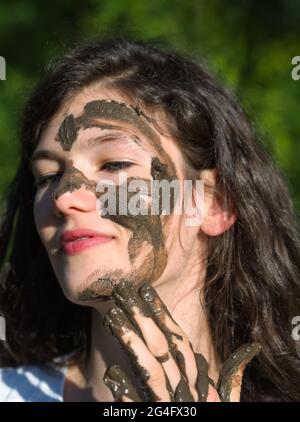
252 287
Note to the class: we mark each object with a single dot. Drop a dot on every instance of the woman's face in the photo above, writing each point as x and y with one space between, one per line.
96 142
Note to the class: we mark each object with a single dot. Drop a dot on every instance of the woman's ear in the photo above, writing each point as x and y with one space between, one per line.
216 218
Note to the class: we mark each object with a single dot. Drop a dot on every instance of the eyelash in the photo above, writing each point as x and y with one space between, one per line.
114 166
110 166
44 180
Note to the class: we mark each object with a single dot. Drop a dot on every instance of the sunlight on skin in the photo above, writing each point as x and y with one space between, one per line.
142 251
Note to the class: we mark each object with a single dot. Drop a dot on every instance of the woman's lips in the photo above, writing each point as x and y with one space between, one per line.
74 241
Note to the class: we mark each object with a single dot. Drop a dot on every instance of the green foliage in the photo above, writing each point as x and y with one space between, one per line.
249 44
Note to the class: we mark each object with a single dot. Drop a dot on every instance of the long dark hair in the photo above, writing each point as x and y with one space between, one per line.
252 287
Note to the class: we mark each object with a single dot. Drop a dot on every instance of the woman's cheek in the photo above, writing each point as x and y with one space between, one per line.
41 218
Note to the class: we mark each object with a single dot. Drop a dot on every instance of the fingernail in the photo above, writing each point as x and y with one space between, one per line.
122 385
148 292
149 295
246 352
241 357
107 323
117 322
127 296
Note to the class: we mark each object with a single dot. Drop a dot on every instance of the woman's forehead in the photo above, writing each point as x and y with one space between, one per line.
89 109
99 109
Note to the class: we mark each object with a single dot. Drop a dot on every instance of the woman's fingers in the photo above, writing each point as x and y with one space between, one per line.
120 385
127 297
150 369
164 354
231 376
177 339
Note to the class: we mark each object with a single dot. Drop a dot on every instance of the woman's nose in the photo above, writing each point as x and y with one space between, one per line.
74 193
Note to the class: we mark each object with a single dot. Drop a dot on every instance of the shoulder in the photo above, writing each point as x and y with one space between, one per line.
30 383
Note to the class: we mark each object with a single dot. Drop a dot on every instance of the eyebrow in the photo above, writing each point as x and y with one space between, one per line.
44 154
112 137
47 155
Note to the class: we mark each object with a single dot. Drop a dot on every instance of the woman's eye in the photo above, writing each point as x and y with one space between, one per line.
45 180
113 166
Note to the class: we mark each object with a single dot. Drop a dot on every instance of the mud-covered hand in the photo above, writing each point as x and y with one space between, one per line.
163 356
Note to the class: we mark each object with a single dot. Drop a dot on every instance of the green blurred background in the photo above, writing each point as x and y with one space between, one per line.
249 44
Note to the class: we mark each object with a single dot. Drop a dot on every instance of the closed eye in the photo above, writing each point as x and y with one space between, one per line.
46 180
114 166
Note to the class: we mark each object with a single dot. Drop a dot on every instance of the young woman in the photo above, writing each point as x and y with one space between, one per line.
103 306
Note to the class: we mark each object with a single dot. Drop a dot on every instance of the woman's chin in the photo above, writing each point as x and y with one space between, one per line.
87 287
88 293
